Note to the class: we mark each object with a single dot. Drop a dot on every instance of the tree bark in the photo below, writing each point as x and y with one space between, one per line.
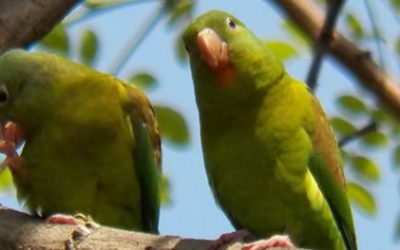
23 22
22 231
354 59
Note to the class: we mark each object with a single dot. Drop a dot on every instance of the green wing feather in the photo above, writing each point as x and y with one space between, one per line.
326 167
147 157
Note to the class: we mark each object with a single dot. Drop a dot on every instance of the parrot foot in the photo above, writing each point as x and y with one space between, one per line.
85 227
228 238
77 219
274 241
11 137
62 219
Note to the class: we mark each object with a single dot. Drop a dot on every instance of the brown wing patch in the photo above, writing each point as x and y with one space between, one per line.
324 143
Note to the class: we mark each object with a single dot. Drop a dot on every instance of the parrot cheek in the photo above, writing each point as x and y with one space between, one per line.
225 76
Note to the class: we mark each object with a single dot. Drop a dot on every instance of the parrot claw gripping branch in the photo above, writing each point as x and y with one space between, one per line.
11 137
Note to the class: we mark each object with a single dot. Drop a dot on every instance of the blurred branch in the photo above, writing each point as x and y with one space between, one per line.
376 32
136 39
324 40
370 127
21 231
87 13
26 21
357 61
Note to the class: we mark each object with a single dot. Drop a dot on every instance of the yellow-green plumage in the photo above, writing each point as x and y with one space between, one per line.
83 131
270 155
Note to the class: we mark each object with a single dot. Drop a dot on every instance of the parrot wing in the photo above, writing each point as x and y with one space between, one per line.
326 167
147 155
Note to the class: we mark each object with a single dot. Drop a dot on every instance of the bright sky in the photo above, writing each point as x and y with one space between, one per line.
193 212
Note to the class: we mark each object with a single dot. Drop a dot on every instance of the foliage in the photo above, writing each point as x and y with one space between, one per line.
172 124
354 109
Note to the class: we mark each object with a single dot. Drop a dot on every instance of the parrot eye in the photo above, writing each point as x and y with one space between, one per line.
231 23
3 94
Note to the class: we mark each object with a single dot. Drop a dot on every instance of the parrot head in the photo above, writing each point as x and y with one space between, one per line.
23 90
227 60
27 84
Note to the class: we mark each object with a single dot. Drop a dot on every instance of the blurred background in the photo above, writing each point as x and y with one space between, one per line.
139 41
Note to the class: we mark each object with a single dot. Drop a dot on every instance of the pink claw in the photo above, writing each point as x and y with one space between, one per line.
274 241
11 137
228 238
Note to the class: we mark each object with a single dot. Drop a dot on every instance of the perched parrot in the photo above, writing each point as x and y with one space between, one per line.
270 154
91 141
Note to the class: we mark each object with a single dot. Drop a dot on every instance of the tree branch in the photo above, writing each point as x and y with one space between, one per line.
21 231
324 40
26 21
370 127
357 61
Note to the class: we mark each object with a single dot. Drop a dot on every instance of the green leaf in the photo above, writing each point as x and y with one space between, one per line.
283 51
180 50
397 230
180 10
164 192
5 180
299 36
362 198
354 26
383 116
395 4
57 40
397 46
396 156
342 126
374 139
102 3
88 47
365 167
321 2
380 115
351 104
143 80
396 130
172 125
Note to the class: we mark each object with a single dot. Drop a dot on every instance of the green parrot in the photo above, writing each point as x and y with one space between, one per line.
91 141
270 154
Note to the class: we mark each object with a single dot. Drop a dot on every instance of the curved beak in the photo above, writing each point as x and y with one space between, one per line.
214 51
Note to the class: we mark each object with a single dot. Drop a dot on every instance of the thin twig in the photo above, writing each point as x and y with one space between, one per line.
324 41
376 33
354 59
137 38
370 127
88 13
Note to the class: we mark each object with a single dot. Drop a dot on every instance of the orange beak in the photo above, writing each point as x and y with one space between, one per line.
214 52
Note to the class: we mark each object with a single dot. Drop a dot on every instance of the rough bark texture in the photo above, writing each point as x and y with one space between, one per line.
23 22
21 231
354 59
